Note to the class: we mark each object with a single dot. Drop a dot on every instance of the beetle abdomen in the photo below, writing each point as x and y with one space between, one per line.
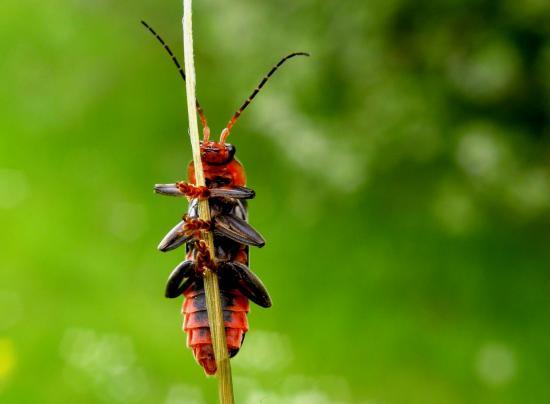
235 307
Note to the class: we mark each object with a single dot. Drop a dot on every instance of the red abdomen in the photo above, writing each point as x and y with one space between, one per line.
235 307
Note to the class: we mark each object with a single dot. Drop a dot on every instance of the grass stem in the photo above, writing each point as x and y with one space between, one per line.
211 287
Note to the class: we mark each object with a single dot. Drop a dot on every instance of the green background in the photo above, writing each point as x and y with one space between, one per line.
402 183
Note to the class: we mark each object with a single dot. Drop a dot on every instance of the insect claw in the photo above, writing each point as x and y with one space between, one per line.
203 257
174 238
193 191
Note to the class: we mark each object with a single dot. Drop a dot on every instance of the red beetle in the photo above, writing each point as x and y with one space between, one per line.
227 193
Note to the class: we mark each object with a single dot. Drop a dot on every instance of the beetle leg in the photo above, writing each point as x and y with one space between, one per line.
192 191
193 225
182 189
180 279
203 257
174 238
237 230
184 231
248 283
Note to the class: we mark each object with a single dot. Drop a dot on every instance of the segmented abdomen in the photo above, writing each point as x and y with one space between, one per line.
235 307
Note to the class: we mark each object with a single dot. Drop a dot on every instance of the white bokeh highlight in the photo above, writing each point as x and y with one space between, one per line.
264 352
496 364
106 361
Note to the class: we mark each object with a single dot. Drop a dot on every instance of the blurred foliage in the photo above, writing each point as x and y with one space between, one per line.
402 183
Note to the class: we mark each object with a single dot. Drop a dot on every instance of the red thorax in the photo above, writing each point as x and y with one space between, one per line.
220 166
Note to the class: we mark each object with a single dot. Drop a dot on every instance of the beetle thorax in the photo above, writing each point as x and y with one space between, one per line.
221 168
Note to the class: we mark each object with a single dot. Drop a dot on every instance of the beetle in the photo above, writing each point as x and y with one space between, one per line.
227 193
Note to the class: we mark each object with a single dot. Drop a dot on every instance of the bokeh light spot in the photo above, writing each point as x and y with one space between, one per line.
488 72
529 192
482 153
107 360
309 147
264 351
496 364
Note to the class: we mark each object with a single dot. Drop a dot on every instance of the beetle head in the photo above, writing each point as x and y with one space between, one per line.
214 153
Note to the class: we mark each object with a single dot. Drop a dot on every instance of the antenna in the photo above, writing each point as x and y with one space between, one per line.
226 131
204 123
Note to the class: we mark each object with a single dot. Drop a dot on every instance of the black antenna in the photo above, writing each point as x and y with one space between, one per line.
230 124
206 130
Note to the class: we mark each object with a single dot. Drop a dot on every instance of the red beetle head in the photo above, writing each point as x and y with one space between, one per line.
213 153
221 168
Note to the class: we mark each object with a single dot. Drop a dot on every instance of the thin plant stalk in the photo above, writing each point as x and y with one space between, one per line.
211 287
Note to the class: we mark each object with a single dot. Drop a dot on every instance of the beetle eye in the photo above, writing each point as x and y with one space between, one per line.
231 150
